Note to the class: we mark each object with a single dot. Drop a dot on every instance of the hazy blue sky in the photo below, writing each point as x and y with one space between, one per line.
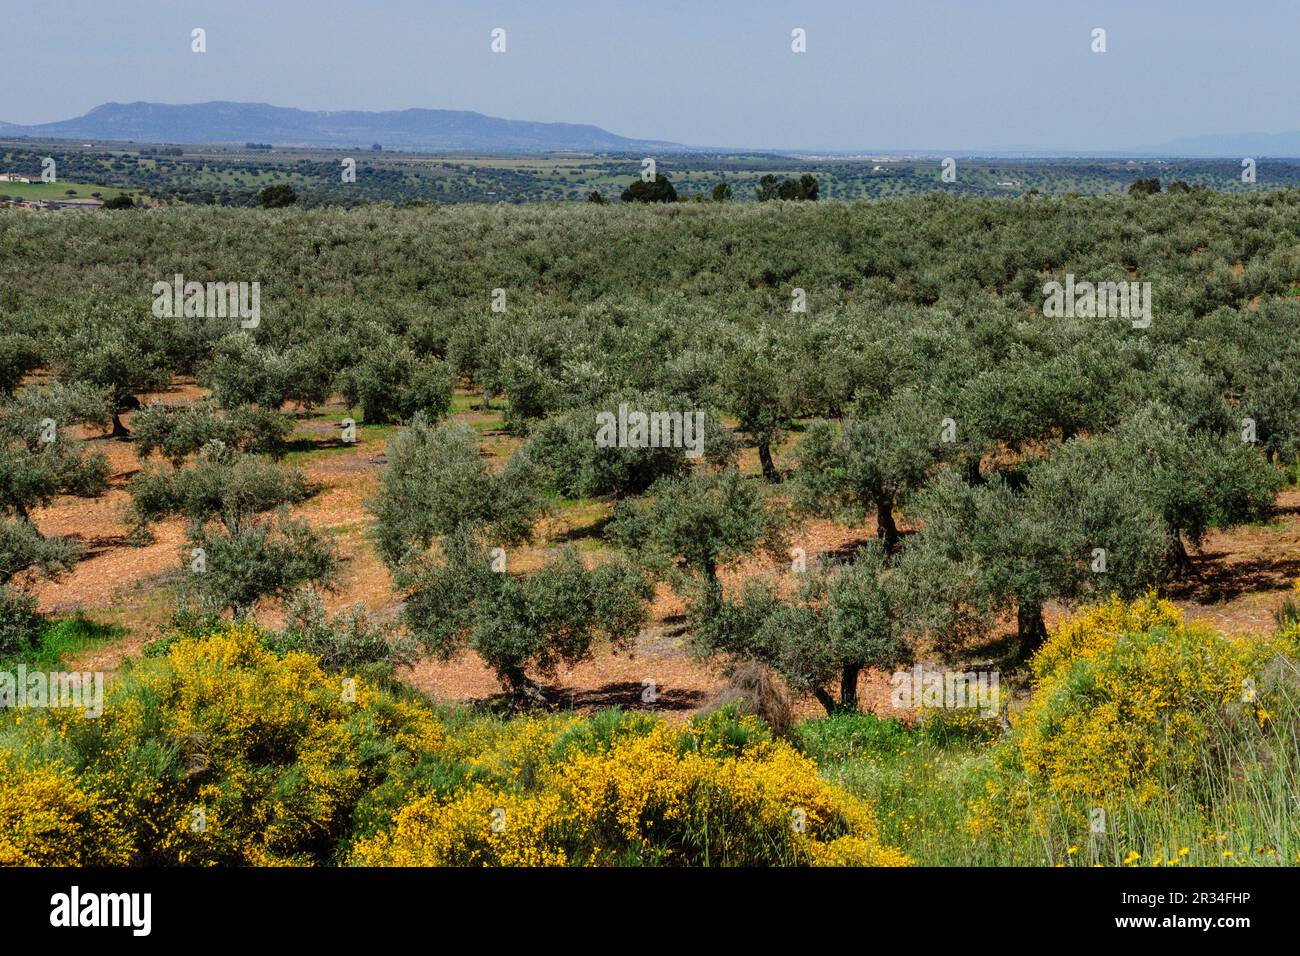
926 74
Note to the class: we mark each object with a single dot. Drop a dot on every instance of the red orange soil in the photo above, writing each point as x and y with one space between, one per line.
1240 579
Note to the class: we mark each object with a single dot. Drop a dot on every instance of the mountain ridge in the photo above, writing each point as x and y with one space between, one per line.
434 130
225 121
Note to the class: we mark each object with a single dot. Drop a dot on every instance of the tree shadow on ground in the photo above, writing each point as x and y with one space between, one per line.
594 531
628 695
299 445
624 694
1214 581
846 552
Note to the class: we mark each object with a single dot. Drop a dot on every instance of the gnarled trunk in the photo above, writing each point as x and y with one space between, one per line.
885 526
525 693
1177 556
1030 627
765 458
849 687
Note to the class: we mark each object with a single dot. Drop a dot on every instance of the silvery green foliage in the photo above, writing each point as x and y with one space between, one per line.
20 622
219 484
34 470
353 641
390 383
264 559
922 293
937 298
38 462
19 355
24 549
883 452
688 527
436 485
176 432
532 624
118 356
565 449
242 372
1140 493
236 503
753 385
440 510
844 618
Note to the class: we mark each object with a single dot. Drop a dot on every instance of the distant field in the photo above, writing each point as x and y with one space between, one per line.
233 176
60 191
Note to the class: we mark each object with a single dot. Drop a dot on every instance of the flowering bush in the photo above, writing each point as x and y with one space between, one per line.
223 753
721 793
1128 699
46 819
219 753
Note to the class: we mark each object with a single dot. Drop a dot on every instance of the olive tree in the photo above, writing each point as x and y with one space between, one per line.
23 549
754 385
1193 479
444 522
176 432
871 463
39 457
242 372
843 620
391 383
578 460
39 461
115 358
1070 527
244 546
687 527
19 355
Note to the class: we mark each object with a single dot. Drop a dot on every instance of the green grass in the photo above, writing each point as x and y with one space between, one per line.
920 779
61 640
304 445
1242 807
49 191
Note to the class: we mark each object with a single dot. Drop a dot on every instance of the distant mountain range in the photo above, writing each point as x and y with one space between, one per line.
433 130
458 130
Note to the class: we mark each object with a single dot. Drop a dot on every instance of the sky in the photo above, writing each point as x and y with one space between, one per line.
877 74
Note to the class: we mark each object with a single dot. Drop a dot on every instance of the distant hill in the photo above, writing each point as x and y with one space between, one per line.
223 122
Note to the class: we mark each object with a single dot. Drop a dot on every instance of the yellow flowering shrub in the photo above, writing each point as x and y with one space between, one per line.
1126 699
659 796
223 752
515 750
481 827
46 819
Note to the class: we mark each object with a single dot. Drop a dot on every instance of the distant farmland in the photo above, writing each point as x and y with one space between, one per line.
51 191
233 175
